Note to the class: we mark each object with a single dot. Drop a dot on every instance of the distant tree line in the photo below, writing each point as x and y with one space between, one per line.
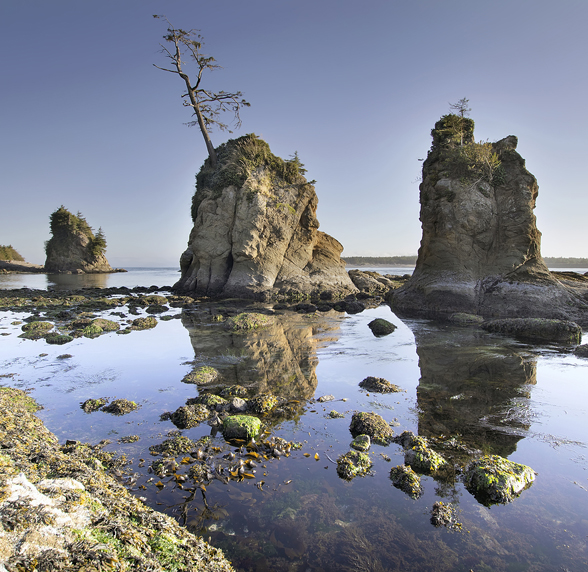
9 253
560 262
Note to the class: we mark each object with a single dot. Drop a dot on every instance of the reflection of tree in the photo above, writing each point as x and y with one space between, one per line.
279 358
472 387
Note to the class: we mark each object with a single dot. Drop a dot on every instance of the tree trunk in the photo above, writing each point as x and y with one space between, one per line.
204 131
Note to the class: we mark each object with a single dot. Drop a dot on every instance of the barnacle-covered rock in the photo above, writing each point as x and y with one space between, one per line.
379 385
120 407
372 424
262 403
189 416
353 464
405 479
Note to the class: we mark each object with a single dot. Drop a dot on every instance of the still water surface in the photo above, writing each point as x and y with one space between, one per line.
493 394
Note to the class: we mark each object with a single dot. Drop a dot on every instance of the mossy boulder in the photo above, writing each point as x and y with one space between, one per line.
54 338
244 427
210 400
404 478
37 327
353 464
418 454
372 424
176 444
379 385
92 331
189 416
144 323
537 329
106 325
496 480
204 375
381 327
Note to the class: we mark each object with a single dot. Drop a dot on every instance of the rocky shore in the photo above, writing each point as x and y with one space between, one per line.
61 510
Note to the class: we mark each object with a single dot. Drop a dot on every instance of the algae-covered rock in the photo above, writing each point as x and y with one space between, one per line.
465 319
92 331
120 407
248 321
262 403
243 427
189 416
144 323
405 479
537 329
379 385
372 424
361 443
175 444
106 325
234 391
203 375
494 479
381 327
37 327
336 415
54 338
91 405
422 458
444 514
210 400
353 464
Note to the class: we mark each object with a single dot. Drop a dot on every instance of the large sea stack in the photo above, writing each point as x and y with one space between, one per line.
73 247
255 230
480 251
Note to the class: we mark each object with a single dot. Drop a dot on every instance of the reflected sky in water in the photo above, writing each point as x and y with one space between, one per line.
491 393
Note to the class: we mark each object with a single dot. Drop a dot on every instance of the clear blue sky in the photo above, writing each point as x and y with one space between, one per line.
354 87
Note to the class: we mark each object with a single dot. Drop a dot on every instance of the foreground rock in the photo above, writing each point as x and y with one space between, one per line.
73 247
480 249
255 230
60 510
372 424
537 329
493 479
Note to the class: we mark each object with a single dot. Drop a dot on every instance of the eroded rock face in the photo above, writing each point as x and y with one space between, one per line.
73 247
255 230
480 250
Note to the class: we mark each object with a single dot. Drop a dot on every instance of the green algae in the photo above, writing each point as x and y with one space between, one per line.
203 375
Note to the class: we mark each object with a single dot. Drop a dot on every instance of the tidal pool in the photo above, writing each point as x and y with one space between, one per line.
464 389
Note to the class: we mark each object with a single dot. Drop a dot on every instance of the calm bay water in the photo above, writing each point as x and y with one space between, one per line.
490 393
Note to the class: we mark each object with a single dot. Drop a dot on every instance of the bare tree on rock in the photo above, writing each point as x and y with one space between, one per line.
207 105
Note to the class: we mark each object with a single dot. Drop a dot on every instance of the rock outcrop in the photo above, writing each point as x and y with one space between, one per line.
480 249
255 230
73 247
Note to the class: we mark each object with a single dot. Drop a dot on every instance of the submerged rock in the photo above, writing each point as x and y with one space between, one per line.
537 329
371 424
379 385
405 479
353 464
480 249
255 230
243 427
493 479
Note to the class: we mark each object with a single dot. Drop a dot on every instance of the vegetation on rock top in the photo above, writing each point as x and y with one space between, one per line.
9 253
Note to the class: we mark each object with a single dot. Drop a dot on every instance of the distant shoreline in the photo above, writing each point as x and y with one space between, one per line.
410 261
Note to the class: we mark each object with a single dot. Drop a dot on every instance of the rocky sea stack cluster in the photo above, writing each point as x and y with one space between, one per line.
73 247
255 230
480 250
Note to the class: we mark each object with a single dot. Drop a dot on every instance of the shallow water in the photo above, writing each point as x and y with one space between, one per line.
491 393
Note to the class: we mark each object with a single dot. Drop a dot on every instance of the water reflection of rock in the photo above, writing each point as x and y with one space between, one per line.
279 358
473 388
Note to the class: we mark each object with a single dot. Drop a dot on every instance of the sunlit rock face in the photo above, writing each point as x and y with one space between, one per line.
255 230
480 250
